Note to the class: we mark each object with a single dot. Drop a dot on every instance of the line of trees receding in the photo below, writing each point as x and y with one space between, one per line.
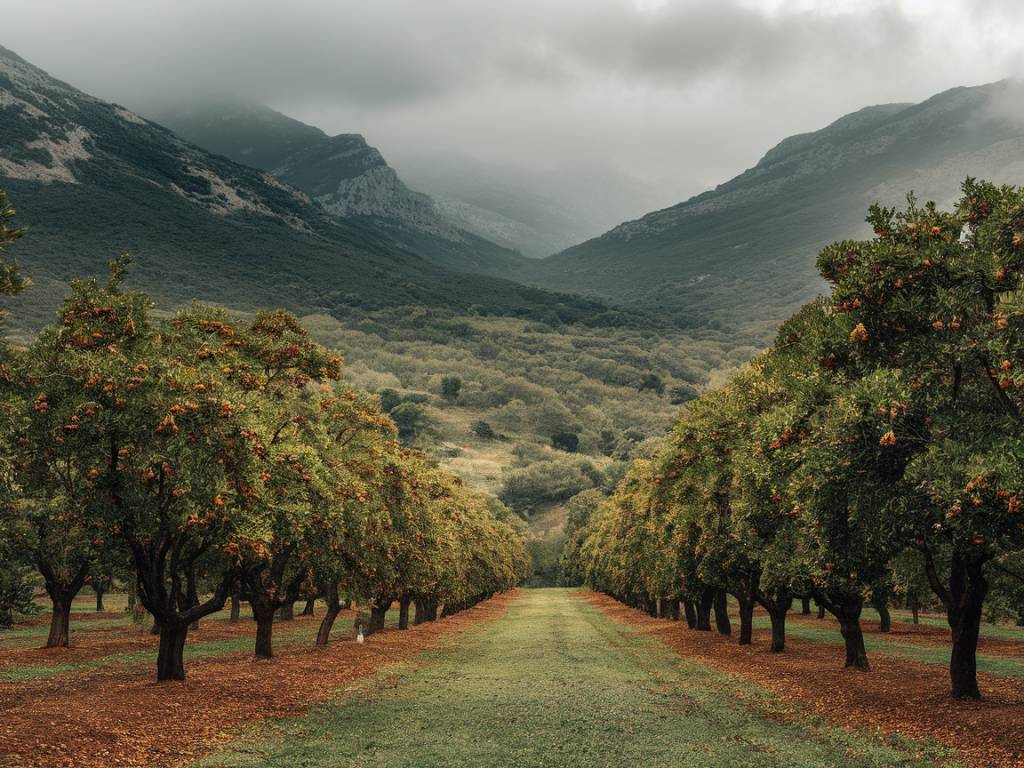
201 457
875 450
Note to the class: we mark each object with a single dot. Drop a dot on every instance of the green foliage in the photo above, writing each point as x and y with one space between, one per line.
546 482
483 430
874 451
566 441
202 447
450 388
11 282
411 420
652 382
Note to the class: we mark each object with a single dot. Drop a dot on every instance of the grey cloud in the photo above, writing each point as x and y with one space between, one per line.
681 93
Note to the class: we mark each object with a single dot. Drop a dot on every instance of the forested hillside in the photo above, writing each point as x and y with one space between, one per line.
91 179
742 255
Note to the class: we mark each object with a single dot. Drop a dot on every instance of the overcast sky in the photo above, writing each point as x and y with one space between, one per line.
689 91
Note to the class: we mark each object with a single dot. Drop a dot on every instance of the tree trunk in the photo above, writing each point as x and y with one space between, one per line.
236 609
884 618
323 636
651 606
60 623
690 613
403 611
264 633
853 636
287 611
99 599
805 605
662 608
778 616
967 590
308 609
746 620
170 660
378 614
722 623
704 605
916 619
673 609
421 612
821 611
138 609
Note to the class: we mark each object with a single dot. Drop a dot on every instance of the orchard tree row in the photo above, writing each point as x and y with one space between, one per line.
877 447
208 458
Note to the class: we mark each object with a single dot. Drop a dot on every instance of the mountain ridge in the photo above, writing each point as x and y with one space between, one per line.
342 173
751 241
90 179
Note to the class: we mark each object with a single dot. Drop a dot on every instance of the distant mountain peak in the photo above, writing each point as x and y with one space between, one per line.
751 241
343 173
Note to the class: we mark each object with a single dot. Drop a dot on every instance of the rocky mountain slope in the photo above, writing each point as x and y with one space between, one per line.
91 179
742 255
346 176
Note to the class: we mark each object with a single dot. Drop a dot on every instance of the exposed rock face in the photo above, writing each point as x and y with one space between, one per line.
344 174
56 134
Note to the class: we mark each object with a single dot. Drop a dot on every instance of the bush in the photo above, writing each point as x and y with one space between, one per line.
548 482
653 383
566 441
483 430
411 420
450 388
389 398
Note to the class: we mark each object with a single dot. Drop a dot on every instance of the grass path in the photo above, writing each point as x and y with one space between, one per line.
555 682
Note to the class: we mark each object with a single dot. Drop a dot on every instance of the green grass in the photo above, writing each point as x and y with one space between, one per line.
283 636
557 683
1001 666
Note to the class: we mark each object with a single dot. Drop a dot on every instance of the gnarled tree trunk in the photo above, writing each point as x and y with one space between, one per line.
967 590
170 660
722 623
323 636
704 606
264 615
690 612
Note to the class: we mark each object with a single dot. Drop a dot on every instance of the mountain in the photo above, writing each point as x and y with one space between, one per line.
91 179
742 255
535 212
346 176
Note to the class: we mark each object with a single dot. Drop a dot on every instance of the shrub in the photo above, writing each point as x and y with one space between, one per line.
450 388
566 441
483 430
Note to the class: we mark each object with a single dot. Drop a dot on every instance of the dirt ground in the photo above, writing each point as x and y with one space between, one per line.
99 718
898 696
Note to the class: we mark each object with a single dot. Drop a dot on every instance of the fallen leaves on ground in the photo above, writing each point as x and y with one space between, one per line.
899 696
95 720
